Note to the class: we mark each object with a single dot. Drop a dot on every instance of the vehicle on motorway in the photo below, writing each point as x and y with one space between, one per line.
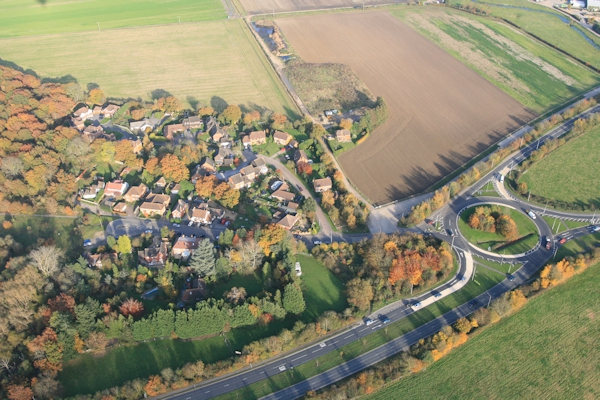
595 228
176 226
384 319
548 243
148 231
315 242
437 295
562 240
531 214
511 277
416 304
369 321
473 304
87 242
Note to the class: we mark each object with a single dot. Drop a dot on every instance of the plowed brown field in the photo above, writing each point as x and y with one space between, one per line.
442 113
268 6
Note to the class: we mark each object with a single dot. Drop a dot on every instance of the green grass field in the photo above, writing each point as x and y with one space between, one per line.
323 291
578 245
27 18
537 76
206 63
547 350
570 173
488 239
484 279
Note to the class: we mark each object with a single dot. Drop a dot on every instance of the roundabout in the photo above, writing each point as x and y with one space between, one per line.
498 229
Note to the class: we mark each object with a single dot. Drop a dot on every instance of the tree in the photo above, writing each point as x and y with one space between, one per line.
168 104
317 131
206 111
203 259
173 168
132 307
346 123
359 293
231 114
205 186
46 259
270 235
304 168
230 198
124 244
235 295
507 227
96 96
251 117
97 342
46 387
18 392
293 300
12 166
155 386
463 325
278 121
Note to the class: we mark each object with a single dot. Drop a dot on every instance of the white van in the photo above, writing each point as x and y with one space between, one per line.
531 214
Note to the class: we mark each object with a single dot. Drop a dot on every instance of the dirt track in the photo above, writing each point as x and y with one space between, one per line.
441 112
268 6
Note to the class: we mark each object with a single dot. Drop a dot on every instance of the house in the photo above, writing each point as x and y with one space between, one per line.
176 188
84 113
322 185
260 165
300 156
125 172
170 130
238 181
97 260
192 123
288 221
180 209
154 256
149 209
291 207
97 110
92 191
161 183
116 188
283 195
222 155
225 142
185 246
255 138
198 173
343 135
294 143
136 193
91 133
214 130
282 138
120 208
136 145
208 165
248 172
159 199
195 292
201 215
279 185
78 123
141 126
110 110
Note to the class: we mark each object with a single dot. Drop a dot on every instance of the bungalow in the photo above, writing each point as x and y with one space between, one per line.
78 123
322 185
110 110
201 215
288 221
283 195
154 256
170 130
92 191
300 156
120 208
115 189
248 172
180 209
196 292
149 209
282 138
343 135
192 122
141 126
136 193
97 260
239 181
185 246
84 113
260 165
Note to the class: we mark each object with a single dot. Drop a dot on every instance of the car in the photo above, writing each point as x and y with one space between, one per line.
369 321
148 231
176 225
416 304
562 240
299 187
384 319
437 295
87 242
511 277
287 157
463 278
429 221
595 228
316 242
449 231
217 238
297 236
190 223
531 214
548 243
473 304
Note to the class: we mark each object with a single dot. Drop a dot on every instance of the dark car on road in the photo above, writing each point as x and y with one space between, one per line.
511 277
450 233
548 243
384 319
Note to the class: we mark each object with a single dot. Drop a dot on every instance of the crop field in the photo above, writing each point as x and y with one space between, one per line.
547 350
269 6
27 18
540 78
208 62
441 112
570 173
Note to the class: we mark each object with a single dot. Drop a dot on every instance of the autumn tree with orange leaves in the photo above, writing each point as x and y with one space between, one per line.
132 307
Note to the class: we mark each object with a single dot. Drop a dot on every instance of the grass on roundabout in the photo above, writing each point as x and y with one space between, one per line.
485 240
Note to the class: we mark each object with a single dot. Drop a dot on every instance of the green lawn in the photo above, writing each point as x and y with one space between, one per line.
268 148
548 350
484 280
95 224
323 291
579 245
537 76
488 239
570 173
26 18
252 283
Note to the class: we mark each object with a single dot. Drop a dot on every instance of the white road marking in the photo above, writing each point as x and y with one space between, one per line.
208 391
316 350
227 385
297 358
244 379
347 336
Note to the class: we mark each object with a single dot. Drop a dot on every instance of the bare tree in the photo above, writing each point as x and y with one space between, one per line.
252 254
46 259
12 166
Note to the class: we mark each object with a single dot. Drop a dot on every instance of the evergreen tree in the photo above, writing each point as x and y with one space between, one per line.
203 260
293 300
